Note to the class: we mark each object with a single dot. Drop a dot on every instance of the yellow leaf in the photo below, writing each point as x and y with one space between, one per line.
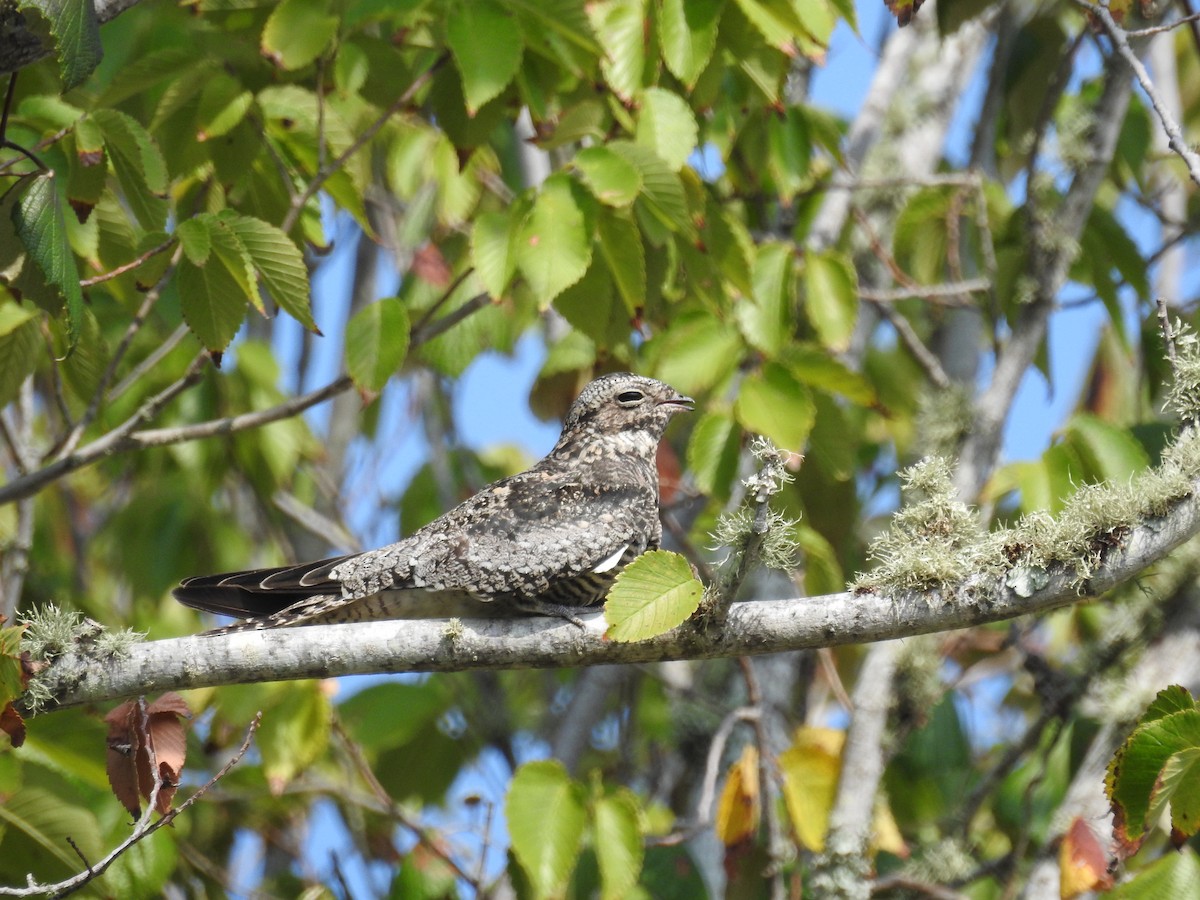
739 808
810 770
886 834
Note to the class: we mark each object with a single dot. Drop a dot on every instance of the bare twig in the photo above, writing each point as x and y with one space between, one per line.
1120 40
943 294
323 175
1168 333
135 325
916 348
1160 29
144 827
766 762
129 266
393 809
152 359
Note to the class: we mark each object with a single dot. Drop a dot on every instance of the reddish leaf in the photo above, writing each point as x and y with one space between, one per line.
429 265
134 728
1082 861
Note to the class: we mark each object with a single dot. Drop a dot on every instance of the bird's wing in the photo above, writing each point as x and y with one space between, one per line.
535 531
259 592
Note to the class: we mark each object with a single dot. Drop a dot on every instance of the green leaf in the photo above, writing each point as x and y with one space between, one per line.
556 240
612 178
367 715
696 352
20 343
776 405
817 368
1136 782
494 241
376 343
75 28
767 320
712 453
666 126
662 198
297 32
487 46
621 247
45 821
831 297
11 679
621 27
278 262
1109 453
213 297
687 33
775 20
1175 876
546 815
38 219
1180 786
138 164
294 732
196 239
616 824
652 595
223 104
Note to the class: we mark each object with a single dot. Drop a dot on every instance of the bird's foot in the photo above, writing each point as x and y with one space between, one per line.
537 607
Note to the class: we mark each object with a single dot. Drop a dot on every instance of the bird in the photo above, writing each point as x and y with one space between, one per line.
548 541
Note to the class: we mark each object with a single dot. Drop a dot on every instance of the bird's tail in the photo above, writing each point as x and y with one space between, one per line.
258 595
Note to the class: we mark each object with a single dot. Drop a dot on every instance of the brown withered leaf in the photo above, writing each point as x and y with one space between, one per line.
904 10
12 724
134 729
430 266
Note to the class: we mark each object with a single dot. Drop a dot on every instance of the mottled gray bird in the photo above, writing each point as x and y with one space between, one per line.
548 541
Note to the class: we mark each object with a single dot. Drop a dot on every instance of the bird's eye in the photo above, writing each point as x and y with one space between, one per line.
629 397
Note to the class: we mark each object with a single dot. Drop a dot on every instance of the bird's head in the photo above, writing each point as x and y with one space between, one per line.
623 403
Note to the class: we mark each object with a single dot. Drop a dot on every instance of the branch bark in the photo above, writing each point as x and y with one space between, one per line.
440 645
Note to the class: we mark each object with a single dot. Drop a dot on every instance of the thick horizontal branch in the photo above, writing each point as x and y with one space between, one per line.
441 645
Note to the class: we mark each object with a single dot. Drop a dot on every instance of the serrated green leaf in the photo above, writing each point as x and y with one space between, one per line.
555 247
487 46
41 227
687 33
1175 876
278 262
776 405
662 198
20 342
696 352
621 27
1134 780
613 179
831 297
817 368
12 682
766 321
297 32
616 824
621 246
213 297
546 815
377 343
138 164
195 238
223 104
494 237
46 821
652 595
667 126
712 453
1179 785
76 32
775 20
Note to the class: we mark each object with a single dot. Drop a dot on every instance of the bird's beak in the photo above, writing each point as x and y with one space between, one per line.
684 404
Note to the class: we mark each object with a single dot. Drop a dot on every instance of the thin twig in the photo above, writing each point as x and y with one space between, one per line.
157 355
1120 40
925 357
93 408
323 175
766 761
1168 333
394 810
943 294
1159 29
145 825
129 266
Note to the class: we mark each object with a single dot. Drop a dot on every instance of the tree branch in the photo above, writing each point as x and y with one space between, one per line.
440 645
